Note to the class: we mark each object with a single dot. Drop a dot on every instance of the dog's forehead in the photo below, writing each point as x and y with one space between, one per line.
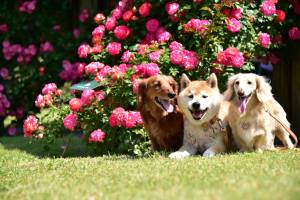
198 87
245 77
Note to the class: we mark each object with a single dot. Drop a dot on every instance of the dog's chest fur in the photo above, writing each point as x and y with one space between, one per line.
247 126
202 137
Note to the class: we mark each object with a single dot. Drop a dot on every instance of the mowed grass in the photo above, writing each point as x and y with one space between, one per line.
27 172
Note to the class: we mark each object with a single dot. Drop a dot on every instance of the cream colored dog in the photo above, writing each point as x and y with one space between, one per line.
200 103
252 127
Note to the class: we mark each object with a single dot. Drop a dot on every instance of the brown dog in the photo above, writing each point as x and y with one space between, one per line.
162 119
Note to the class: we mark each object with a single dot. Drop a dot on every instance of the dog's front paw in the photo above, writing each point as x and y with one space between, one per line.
209 153
179 155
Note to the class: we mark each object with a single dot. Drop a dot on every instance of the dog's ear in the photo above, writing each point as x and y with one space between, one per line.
141 94
263 89
175 88
184 82
229 93
212 81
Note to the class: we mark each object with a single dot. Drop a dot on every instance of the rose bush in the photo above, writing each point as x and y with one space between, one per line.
36 41
138 40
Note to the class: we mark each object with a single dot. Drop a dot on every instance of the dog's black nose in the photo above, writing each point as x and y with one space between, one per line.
196 105
241 94
171 95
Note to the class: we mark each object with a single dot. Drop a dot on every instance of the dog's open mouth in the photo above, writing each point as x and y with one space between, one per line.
165 104
242 103
198 114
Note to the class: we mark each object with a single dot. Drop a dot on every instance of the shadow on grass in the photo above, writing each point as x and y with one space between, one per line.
76 148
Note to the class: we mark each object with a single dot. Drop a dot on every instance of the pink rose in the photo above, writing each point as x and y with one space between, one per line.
147 69
84 15
127 57
97 136
162 35
70 122
144 9
87 97
114 48
171 8
98 18
100 95
30 125
230 57
76 33
189 60
110 23
39 101
83 50
176 57
99 31
233 25
117 117
152 25
236 13
268 7
175 46
128 15
264 39
4 73
154 56
49 88
93 68
46 47
294 33
3 28
122 32
75 104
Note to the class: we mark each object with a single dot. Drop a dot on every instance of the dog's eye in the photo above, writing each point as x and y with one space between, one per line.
191 96
237 82
249 82
157 85
204 96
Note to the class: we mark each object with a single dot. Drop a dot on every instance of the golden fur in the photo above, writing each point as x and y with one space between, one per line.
164 127
252 127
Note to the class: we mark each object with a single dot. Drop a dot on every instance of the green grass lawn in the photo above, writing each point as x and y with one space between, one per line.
28 172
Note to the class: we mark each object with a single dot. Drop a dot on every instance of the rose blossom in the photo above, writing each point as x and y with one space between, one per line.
30 125
264 39
3 28
99 17
175 46
236 13
147 69
171 8
117 117
39 101
76 33
127 57
100 95
280 16
114 48
162 35
84 15
46 47
87 97
122 32
75 104
97 136
83 50
70 122
233 25
110 23
93 67
154 56
230 57
189 60
294 33
268 7
144 9
49 88
176 57
196 25
4 73
152 25
127 16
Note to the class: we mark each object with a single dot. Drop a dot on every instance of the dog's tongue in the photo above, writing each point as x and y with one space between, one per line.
167 106
242 104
